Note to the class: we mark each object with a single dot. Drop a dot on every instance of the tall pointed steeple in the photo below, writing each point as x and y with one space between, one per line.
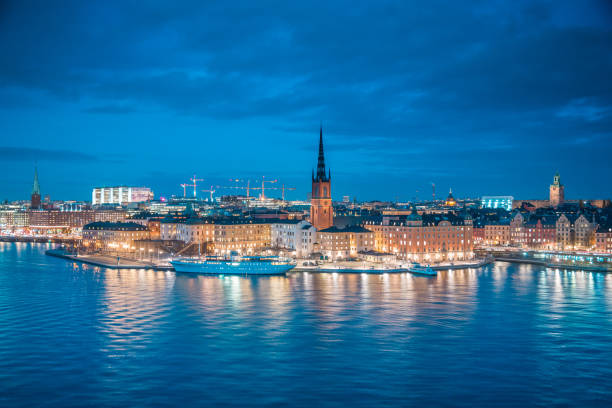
321 161
36 186
321 176
35 197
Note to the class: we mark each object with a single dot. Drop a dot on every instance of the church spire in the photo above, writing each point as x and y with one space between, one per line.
321 162
36 186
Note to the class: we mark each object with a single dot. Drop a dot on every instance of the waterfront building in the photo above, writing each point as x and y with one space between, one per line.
169 226
321 211
574 231
219 235
603 237
196 230
120 195
540 232
242 236
149 220
112 237
296 236
533 231
478 234
342 243
584 235
517 230
557 191
497 233
46 221
57 221
14 218
426 237
35 197
494 202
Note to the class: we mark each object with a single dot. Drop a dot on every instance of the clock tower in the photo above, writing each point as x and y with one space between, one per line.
557 192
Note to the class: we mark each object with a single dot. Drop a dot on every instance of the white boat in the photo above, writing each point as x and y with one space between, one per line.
422 270
234 265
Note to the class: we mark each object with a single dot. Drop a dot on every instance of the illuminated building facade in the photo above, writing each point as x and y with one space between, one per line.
497 234
295 236
111 237
574 231
540 233
44 219
342 243
504 202
425 238
120 195
603 238
321 210
220 236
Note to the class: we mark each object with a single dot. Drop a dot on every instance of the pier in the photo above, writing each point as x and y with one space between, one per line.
106 261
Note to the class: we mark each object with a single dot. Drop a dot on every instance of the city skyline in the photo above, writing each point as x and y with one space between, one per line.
134 98
302 204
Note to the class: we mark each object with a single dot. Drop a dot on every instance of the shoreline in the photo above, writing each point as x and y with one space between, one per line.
114 263
555 265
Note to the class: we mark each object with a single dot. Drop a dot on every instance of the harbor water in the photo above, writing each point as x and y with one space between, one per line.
511 335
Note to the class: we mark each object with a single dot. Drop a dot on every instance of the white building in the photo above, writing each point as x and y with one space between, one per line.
293 235
504 202
120 195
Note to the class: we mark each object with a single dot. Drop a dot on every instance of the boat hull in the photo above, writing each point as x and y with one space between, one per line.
423 272
232 268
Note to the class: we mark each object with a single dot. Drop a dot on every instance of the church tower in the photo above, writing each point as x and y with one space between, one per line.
557 192
321 211
35 198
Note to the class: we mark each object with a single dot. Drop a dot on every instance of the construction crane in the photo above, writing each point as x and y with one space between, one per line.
248 187
195 180
263 186
286 188
185 189
433 191
211 191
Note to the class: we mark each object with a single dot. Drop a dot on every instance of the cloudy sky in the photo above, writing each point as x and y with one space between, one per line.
486 97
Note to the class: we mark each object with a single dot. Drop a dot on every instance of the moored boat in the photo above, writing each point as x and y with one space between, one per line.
419 269
234 265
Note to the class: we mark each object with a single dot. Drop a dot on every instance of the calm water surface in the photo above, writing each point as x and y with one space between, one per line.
511 335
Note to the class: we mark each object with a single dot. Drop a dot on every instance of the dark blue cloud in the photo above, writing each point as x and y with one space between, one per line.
490 97
32 155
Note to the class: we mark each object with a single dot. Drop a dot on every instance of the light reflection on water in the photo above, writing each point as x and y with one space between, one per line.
505 335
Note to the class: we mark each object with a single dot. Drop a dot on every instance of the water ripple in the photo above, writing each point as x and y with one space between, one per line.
505 335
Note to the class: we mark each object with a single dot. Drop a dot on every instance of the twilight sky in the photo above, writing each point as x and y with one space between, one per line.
486 97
